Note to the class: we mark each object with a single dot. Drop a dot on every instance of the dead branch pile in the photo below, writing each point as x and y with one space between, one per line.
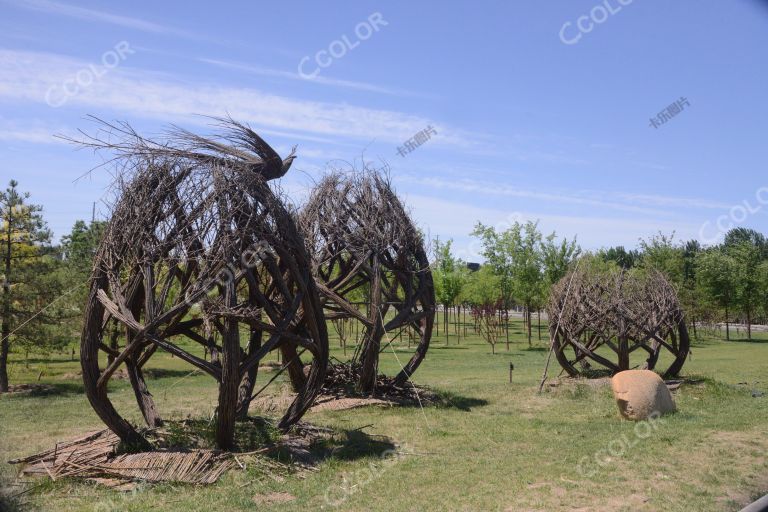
624 311
341 380
370 265
96 457
93 457
197 245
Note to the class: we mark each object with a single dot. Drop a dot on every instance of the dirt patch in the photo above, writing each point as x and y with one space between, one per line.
331 403
743 443
611 504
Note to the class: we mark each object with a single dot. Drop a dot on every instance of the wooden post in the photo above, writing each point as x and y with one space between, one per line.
511 367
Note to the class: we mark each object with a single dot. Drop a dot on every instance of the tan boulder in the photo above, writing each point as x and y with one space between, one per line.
641 394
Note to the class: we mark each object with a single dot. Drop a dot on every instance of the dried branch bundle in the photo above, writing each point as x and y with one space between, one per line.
624 311
197 245
369 262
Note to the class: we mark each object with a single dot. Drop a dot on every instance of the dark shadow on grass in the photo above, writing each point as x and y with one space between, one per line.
449 400
198 433
162 373
535 349
351 445
305 443
48 389
596 373
42 360
447 347
8 504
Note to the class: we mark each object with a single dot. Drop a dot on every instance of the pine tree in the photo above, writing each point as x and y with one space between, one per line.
24 240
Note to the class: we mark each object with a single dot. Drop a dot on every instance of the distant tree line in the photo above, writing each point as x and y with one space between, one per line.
717 285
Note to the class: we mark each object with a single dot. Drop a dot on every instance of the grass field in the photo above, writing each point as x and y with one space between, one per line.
499 446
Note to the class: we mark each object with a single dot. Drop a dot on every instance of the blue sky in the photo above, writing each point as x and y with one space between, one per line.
528 127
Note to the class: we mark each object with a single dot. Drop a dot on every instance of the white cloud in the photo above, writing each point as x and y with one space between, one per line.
451 219
466 185
319 79
686 202
30 76
83 13
35 132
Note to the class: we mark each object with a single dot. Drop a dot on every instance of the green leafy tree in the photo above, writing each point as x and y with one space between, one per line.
79 247
689 293
737 236
528 285
76 252
498 251
482 291
619 255
482 287
762 278
24 239
717 277
557 258
746 256
450 275
660 252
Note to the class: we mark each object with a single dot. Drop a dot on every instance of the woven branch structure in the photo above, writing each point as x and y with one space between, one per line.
202 260
604 317
370 266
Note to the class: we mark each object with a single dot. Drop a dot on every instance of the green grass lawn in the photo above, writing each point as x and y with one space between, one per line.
501 446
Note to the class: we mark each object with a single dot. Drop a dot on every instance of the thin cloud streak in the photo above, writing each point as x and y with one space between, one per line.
452 219
322 80
93 15
465 185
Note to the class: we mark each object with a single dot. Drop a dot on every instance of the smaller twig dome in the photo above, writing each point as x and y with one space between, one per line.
615 318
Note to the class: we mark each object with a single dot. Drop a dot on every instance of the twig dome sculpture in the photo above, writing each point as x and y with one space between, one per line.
370 265
615 319
198 245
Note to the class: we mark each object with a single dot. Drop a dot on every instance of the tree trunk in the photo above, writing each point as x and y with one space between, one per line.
230 383
528 314
4 357
249 379
372 343
506 325
445 322
5 332
749 323
143 396
295 366
727 326
538 315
